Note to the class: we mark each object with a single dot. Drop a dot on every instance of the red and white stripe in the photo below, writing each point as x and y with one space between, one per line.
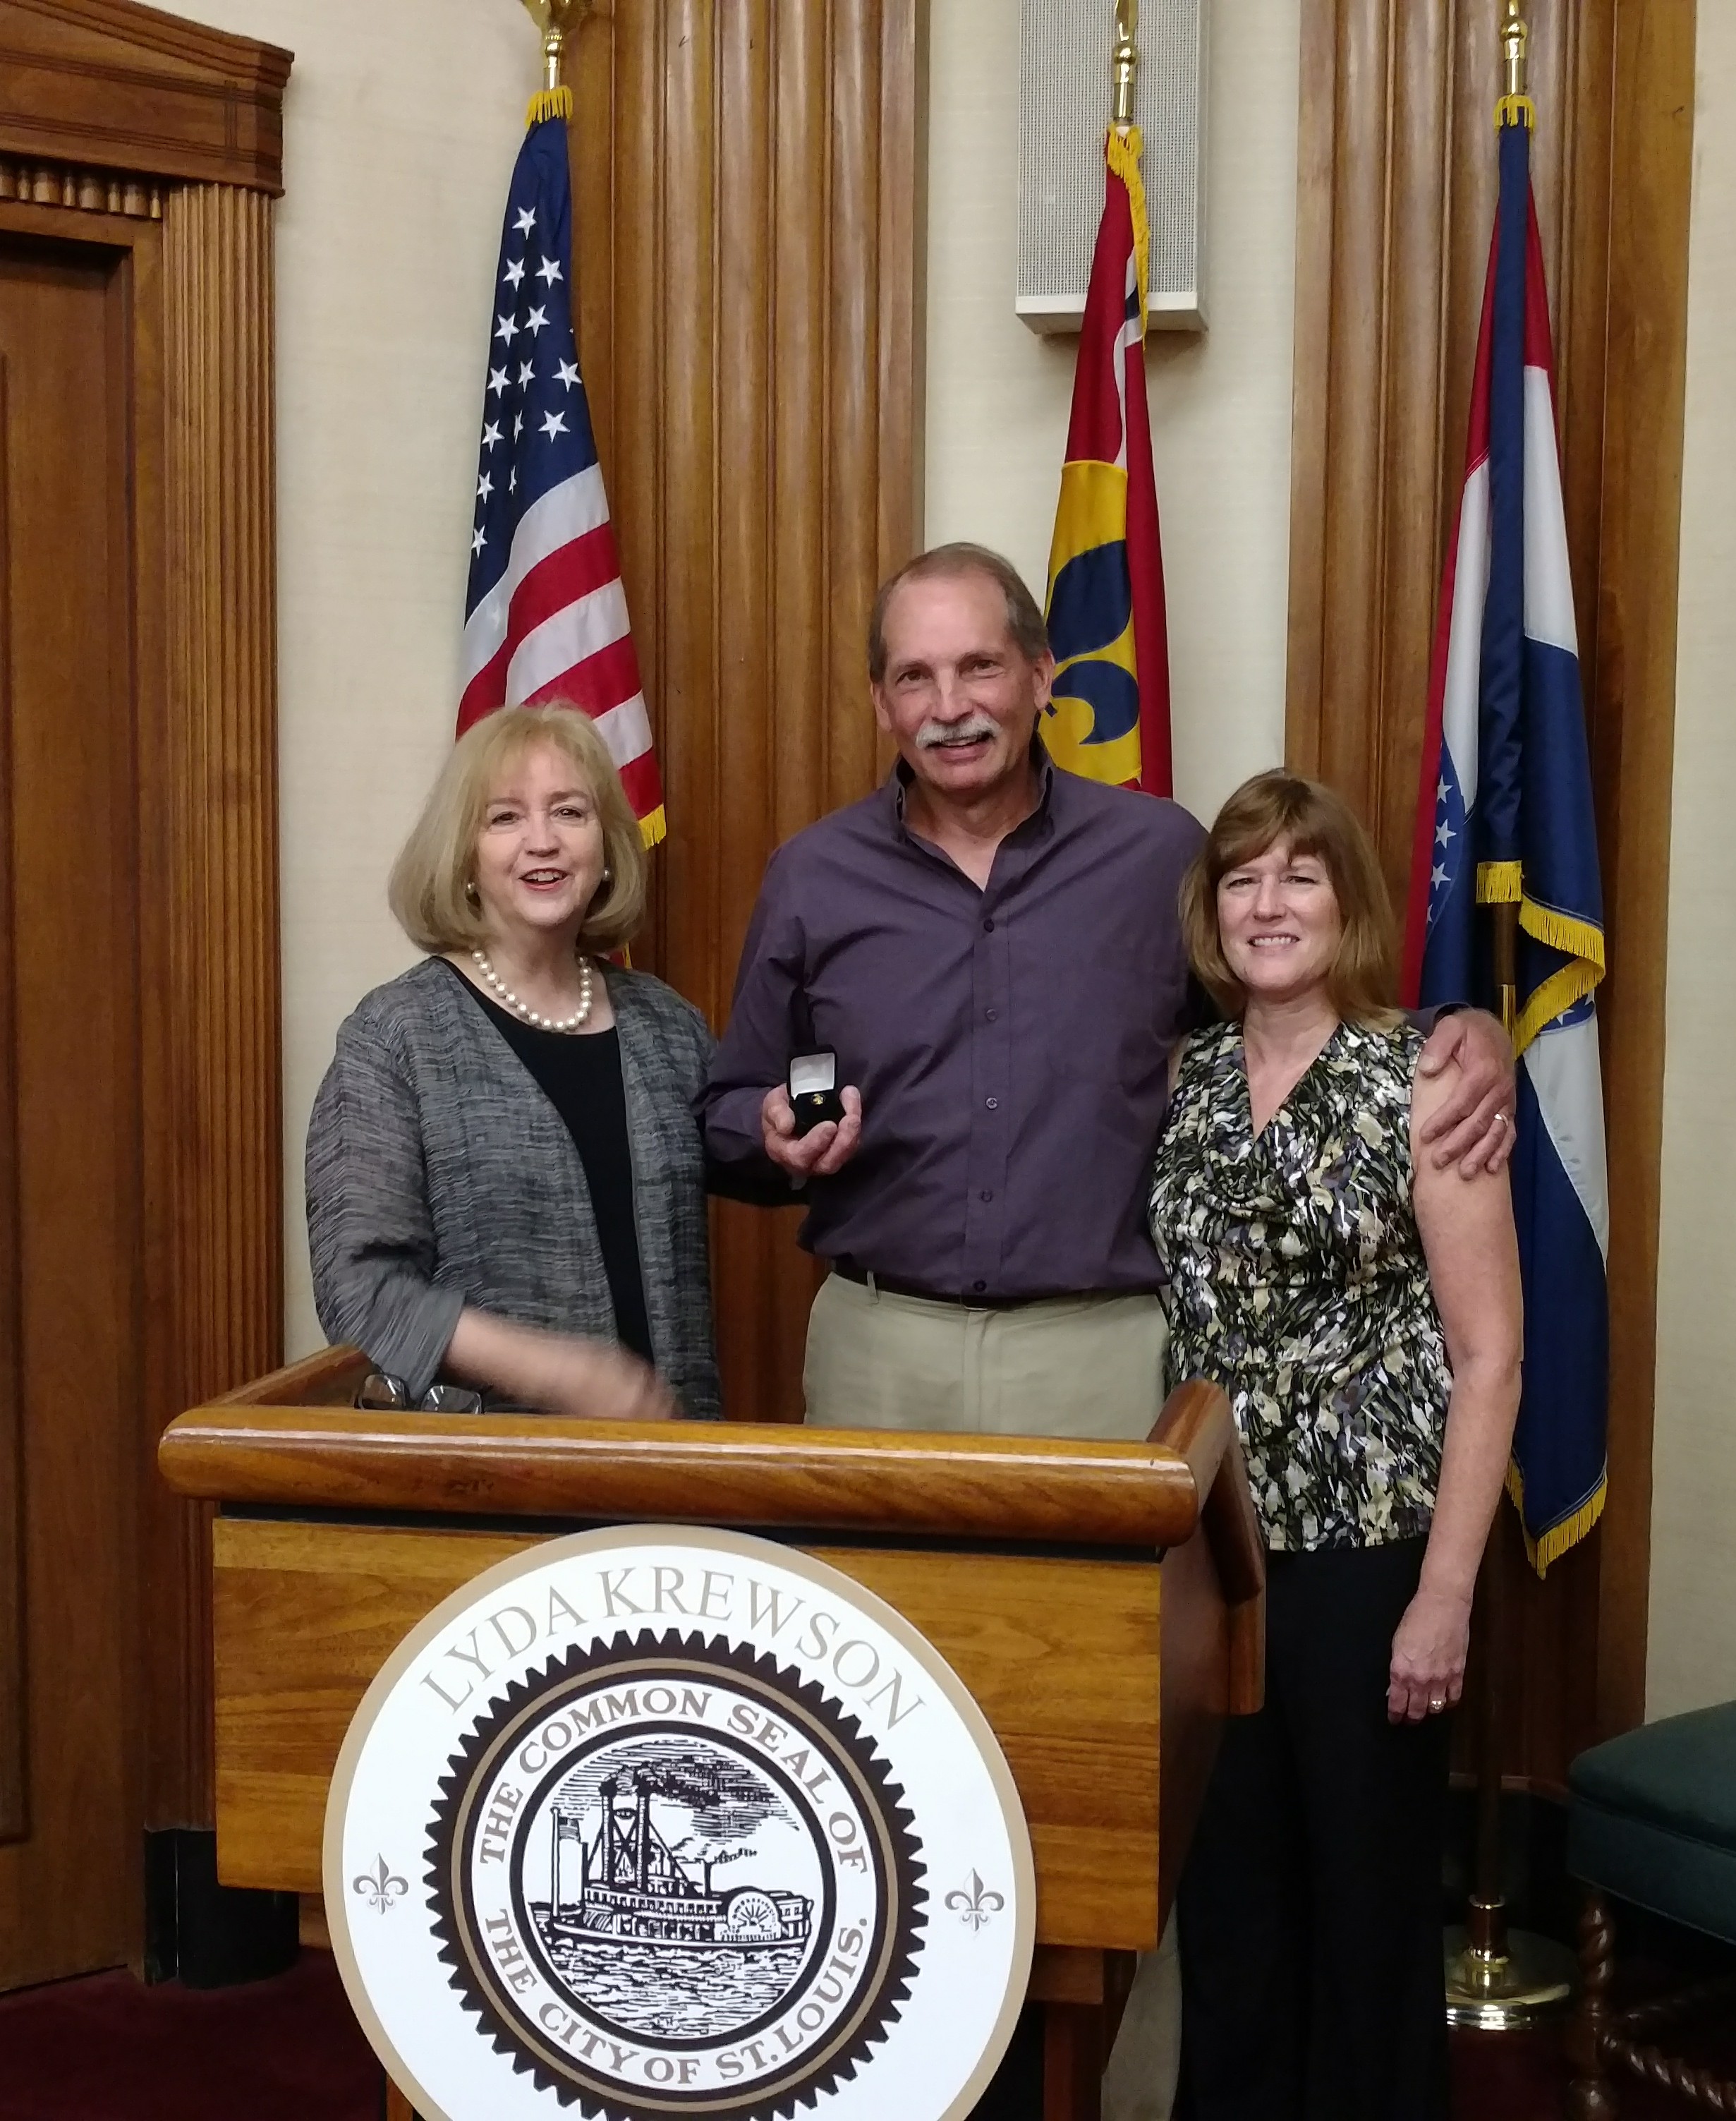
555 628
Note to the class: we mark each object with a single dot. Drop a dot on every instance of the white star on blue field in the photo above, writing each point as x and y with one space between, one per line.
536 425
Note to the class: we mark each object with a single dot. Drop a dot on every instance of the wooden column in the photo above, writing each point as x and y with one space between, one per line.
208 865
14 1697
1398 183
747 185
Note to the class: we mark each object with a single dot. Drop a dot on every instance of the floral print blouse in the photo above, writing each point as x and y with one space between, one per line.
1297 1282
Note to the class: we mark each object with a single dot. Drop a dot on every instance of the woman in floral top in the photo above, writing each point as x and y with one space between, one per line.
1360 1307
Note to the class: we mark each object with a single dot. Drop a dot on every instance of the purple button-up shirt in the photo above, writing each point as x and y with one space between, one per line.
1011 1044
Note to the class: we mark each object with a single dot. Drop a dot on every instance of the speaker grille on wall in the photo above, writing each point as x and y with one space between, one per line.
1063 107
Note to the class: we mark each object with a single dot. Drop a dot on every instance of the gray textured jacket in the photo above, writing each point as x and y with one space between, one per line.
439 1175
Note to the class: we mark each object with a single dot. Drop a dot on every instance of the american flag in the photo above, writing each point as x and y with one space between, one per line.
546 615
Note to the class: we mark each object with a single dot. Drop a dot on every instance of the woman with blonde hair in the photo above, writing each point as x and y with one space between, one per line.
1361 1307
505 1184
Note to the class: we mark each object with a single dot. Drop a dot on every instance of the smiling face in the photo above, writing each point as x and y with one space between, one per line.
539 852
959 697
1279 923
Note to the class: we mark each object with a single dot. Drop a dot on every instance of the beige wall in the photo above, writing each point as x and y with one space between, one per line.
1692 1639
998 395
401 123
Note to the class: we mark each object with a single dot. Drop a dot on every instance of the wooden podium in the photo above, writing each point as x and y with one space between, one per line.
1104 1603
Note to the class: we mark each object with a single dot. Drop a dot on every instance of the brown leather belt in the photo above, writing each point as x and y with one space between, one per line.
891 1286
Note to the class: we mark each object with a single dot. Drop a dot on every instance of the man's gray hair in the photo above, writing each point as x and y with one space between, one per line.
950 562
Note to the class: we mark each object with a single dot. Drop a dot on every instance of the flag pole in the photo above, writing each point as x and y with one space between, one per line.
554 18
1498 1979
1124 66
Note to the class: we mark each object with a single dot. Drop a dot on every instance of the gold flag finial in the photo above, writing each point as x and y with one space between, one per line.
1125 64
1516 107
554 18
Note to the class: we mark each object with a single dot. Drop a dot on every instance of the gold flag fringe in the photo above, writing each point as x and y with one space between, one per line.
1121 151
1581 942
1570 1530
653 827
1503 884
549 103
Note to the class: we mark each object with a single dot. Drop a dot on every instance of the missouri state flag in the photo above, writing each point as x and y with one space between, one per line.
545 615
1110 715
1504 816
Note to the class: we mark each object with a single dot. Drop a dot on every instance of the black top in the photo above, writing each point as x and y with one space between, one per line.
579 1074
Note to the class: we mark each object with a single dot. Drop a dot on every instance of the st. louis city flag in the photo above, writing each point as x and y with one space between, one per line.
1504 816
546 616
1107 627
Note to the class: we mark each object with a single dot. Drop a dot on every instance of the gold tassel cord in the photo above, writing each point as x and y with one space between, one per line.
1122 151
549 103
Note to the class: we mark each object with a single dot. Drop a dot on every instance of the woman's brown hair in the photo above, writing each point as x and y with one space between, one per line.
1312 820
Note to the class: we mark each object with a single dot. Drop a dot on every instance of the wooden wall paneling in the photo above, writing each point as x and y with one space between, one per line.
746 208
1397 187
13 1790
1633 733
210 898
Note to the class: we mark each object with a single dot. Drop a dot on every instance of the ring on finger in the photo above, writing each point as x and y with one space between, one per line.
1437 1702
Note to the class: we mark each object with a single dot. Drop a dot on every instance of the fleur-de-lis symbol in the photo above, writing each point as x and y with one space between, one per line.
975 1903
381 1886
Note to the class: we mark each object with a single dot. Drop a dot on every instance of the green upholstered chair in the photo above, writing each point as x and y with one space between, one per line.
1651 1820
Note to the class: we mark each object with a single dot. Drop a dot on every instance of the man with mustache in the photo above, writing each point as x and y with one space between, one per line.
992 948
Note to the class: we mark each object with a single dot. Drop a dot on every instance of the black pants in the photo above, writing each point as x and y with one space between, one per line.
1312 1984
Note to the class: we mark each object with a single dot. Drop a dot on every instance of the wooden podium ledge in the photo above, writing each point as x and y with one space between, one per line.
304 1446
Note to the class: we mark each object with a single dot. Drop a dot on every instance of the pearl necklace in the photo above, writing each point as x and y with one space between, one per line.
576 1022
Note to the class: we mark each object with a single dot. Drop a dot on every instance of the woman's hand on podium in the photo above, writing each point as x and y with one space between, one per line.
593 1381
561 1373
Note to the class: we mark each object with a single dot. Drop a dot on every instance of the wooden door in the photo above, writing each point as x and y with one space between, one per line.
71 1849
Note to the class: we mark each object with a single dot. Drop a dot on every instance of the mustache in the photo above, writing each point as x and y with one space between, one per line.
972 728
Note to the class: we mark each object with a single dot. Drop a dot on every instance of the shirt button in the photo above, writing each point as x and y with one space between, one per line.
986 1195
991 1013
979 1286
987 930
993 1103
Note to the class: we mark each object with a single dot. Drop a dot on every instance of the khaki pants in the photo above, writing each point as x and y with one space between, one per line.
1081 1366
1069 1366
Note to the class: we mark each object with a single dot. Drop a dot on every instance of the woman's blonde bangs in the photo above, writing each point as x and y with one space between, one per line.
1312 819
426 888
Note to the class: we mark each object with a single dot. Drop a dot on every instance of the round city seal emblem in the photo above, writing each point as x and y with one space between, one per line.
663 1822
